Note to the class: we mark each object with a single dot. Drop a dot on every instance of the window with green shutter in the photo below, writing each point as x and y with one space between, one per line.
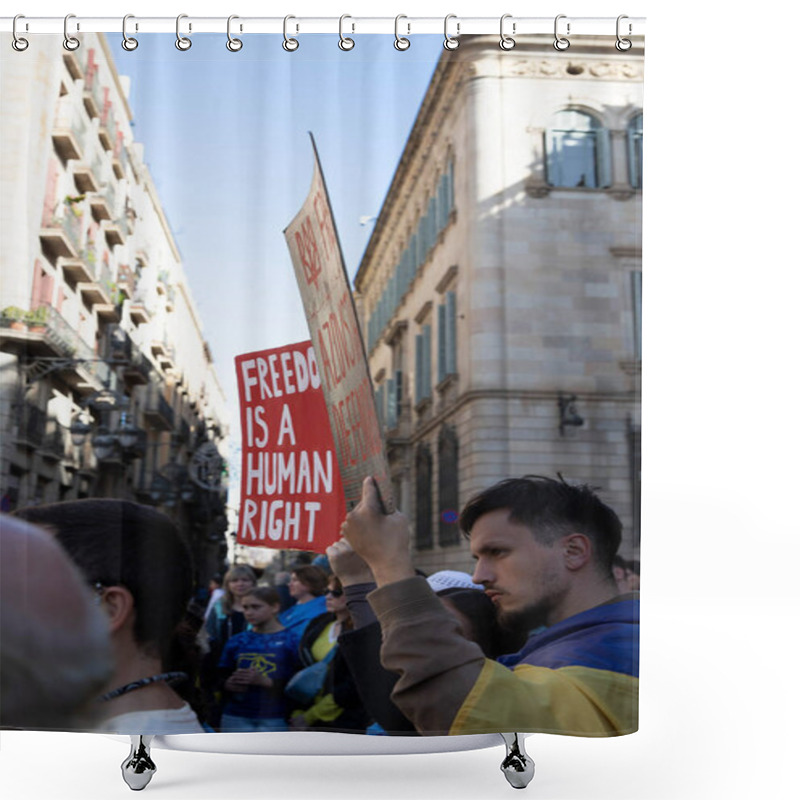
446 349
635 151
423 364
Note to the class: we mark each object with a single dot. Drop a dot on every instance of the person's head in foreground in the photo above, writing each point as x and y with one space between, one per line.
55 652
543 548
135 561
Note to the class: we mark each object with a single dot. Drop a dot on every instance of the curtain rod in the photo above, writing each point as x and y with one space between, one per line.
403 25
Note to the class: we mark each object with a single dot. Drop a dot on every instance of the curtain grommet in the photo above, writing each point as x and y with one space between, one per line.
71 43
401 42
289 44
183 43
561 43
19 43
233 44
623 45
451 42
128 42
507 42
345 42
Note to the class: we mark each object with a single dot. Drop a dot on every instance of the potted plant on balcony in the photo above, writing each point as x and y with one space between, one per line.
13 317
37 320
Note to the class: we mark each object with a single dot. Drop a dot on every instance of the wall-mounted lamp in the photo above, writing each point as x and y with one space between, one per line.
127 441
567 415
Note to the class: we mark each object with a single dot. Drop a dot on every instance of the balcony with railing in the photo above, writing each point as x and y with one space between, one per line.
157 411
126 281
104 202
114 231
70 130
88 175
92 90
110 311
54 443
119 158
107 132
98 291
30 427
166 358
121 352
139 310
76 62
48 343
61 235
137 371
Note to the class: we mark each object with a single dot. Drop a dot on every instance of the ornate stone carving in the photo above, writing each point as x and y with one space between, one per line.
550 68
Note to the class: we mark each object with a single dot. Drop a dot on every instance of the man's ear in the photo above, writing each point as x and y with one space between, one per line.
117 602
577 550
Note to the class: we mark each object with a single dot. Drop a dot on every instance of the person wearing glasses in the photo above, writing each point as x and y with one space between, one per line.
337 705
140 569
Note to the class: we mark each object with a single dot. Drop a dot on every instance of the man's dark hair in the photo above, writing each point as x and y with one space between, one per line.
121 543
551 509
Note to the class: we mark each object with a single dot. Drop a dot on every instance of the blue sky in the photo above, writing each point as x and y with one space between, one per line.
226 141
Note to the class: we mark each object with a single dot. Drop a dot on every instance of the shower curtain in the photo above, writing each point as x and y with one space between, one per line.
184 422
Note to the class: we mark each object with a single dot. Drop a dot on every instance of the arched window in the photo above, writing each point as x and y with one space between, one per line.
635 151
577 151
424 492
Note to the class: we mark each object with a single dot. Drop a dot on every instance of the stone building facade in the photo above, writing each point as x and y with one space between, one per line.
107 386
500 292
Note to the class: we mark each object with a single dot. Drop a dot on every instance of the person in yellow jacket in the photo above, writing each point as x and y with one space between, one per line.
543 552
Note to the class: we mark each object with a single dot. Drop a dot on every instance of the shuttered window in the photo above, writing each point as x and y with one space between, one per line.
635 151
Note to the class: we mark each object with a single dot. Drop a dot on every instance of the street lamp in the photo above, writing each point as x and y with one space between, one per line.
127 438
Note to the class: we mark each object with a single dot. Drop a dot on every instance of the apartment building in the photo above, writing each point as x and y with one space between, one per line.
107 386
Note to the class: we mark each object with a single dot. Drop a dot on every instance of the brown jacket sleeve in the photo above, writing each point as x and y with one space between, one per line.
423 642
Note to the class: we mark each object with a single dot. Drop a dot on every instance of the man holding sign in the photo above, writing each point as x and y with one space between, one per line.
544 551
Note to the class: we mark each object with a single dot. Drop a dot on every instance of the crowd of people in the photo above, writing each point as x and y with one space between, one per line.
543 636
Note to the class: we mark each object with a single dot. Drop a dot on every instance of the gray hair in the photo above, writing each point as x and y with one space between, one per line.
56 652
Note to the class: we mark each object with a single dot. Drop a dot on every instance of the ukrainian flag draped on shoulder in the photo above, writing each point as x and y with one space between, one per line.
578 677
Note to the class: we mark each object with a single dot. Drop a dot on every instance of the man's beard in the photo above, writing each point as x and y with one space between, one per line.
525 619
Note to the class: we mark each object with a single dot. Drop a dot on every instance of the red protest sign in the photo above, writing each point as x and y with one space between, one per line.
319 268
292 495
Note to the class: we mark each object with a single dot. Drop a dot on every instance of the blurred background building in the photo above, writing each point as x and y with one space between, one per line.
500 293
107 386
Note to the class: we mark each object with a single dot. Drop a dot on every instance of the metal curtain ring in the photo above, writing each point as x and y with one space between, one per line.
289 44
234 45
181 42
18 42
128 42
400 42
70 42
507 42
345 43
623 44
561 43
451 42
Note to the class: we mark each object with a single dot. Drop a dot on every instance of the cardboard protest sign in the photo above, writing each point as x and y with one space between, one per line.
319 268
292 495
